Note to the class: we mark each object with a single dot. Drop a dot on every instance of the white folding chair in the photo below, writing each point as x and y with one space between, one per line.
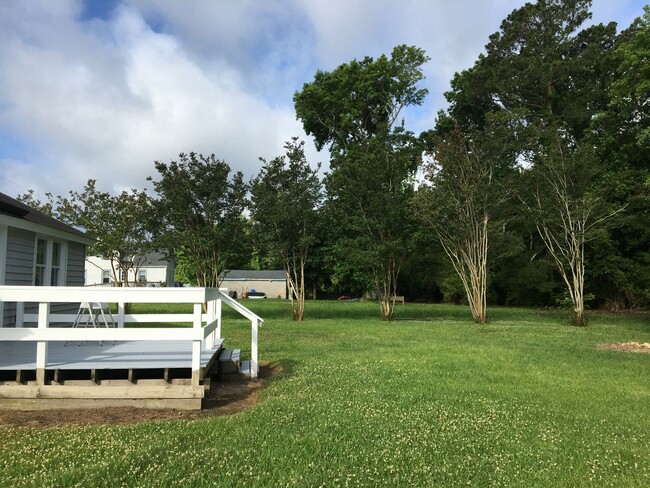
96 314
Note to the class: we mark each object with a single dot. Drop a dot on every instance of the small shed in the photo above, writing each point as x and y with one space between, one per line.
271 282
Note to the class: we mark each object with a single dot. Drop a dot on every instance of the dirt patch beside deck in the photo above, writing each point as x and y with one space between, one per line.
627 346
225 398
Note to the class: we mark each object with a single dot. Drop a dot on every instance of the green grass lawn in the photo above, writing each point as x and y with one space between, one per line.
431 399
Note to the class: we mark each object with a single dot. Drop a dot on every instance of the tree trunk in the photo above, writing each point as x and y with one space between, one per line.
386 287
469 258
295 271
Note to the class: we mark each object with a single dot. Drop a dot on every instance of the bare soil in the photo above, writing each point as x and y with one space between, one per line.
643 347
225 398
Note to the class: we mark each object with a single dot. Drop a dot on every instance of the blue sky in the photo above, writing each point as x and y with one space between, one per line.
101 89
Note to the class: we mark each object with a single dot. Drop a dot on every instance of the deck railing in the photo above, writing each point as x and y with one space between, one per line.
206 326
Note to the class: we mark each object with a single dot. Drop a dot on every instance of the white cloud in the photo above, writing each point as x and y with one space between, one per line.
123 97
103 98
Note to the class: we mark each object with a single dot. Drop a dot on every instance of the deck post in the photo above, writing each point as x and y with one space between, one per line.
20 314
209 341
120 315
41 346
196 346
255 325
218 329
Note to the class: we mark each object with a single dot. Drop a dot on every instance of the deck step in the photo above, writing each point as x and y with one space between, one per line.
229 361
245 368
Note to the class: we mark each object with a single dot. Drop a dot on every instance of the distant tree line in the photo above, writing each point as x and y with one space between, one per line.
534 183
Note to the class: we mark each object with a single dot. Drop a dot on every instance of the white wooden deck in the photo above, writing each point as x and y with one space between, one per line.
20 355
79 367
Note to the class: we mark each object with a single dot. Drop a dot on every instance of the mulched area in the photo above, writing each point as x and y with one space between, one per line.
643 347
225 398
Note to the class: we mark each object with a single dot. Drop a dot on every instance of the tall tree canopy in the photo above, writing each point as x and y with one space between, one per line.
621 136
538 67
356 109
361 99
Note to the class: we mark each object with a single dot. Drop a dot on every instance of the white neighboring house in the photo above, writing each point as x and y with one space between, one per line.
155 271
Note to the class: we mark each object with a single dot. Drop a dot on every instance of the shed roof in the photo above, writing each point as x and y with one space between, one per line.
253 275
14 208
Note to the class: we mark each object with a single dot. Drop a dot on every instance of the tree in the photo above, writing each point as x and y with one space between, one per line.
621 135
285 197
48 207
460 203
538 68
568 210
356 109
551 80
199 210
120 224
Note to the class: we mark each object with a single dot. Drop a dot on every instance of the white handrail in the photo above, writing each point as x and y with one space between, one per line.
66 294
234 304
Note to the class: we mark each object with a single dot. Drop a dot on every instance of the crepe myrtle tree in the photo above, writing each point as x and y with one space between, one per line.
199 212
120 224
285 197
461 201
568 208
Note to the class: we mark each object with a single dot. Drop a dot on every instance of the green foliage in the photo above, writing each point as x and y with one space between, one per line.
200 211
355 109
48 207
537 67
630 90
360 99
620 135
563 92
462 201
284 206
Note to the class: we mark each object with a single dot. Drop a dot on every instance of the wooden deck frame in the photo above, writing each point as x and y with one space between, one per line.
204 334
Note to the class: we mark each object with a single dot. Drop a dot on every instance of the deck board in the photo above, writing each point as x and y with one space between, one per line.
21 355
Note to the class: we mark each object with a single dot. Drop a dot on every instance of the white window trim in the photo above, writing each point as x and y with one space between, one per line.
110 277
63 260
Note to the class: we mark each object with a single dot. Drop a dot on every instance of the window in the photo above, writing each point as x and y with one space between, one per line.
106 276
40 268
142 276
48 263
56 264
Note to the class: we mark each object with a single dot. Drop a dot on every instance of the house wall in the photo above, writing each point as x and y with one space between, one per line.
272 288
19 266
19 270
76 264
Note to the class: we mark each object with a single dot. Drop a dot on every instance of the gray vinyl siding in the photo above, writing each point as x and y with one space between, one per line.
19 269
76 264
